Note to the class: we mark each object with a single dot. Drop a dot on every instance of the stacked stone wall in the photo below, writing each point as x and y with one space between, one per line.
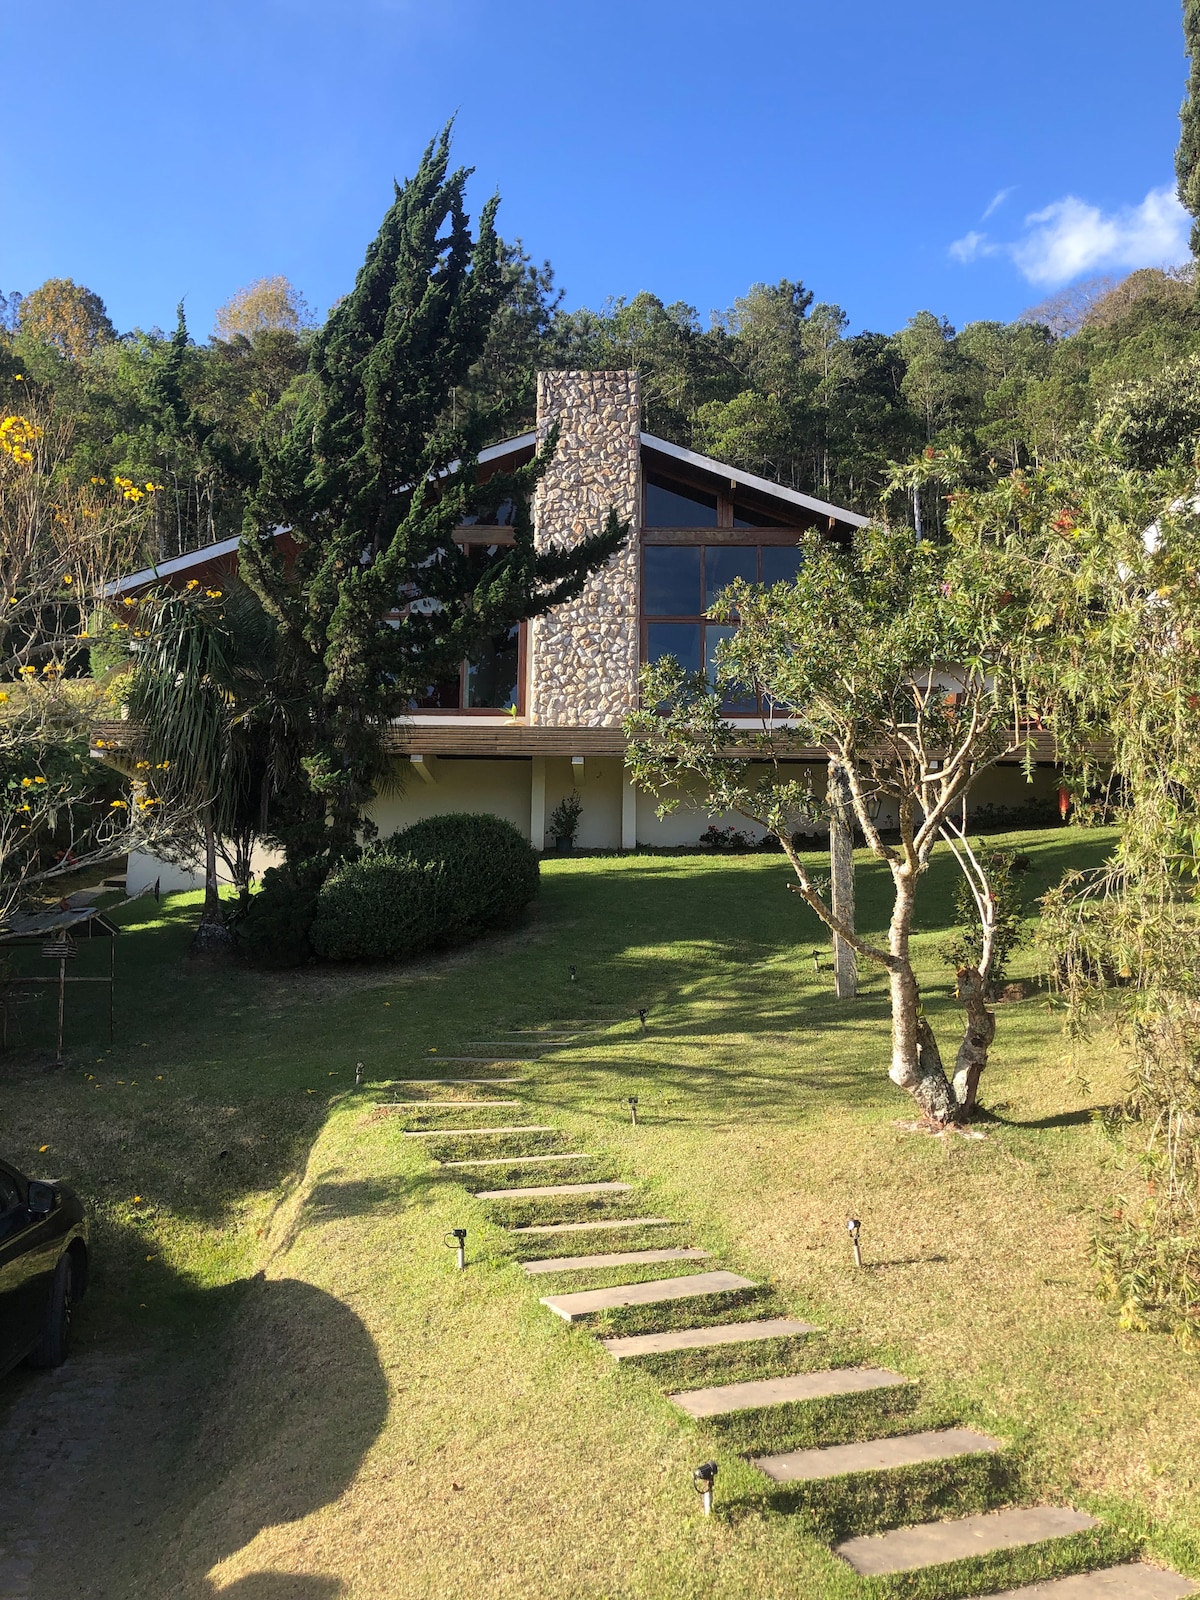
584 656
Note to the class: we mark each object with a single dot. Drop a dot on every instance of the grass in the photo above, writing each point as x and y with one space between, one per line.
350 1416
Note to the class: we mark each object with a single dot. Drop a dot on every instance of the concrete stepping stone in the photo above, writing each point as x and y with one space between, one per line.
779 1391
513 1161
488 1061
932 1543
552 1189
588 1227
655 1344
442 1105
458 1133
401 1083
616 1258
586 1301
1133 1581
874 1455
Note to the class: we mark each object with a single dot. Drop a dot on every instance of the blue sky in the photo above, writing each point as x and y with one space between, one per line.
160 150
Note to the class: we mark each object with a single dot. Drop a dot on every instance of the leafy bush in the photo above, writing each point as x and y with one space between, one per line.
434 885
725 839
564 819
275 930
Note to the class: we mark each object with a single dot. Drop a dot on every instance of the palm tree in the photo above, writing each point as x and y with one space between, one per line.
213 732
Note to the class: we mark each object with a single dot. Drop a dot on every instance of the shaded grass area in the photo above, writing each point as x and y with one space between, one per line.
765 1118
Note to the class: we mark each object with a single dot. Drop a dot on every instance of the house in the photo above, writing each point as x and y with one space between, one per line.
539 713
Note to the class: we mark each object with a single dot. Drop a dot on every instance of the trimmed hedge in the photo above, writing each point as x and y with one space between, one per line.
435 885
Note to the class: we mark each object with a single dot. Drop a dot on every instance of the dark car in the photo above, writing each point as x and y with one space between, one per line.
43 1268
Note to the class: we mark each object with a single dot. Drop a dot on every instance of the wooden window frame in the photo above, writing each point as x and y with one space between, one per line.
476 533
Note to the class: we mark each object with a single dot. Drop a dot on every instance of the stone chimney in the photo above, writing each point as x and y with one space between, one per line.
584 656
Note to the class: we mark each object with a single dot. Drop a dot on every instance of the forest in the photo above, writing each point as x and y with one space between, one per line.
775 384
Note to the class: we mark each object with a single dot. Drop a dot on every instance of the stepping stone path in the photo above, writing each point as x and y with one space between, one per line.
781 1391
931 1544
617 1258
515 1161
655 1344
587 1227
461 1133
1133 1581
832 1461
585 1302
900 1550
440 1104
400 1083
551 1190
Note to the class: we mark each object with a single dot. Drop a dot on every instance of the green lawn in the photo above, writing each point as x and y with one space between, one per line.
322 1407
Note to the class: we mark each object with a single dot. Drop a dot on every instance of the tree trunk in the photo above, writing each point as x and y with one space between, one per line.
212 937
841 872
916 1060
977 1040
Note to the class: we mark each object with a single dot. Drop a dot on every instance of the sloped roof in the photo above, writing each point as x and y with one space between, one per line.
497 452
748 480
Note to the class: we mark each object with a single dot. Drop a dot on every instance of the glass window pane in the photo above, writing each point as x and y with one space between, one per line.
492 675
678 639
676 507
438 697
736 699
746 517
671 585
780 563
724 563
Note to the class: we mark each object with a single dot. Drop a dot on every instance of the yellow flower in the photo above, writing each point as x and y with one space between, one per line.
213 594
18 377
42 1148
67 578
117 804
27 670
39 780
3 696
26 782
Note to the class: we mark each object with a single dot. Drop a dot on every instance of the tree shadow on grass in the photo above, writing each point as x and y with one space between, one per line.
259 1424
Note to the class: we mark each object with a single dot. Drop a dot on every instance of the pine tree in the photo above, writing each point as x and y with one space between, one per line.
1187 156
371 480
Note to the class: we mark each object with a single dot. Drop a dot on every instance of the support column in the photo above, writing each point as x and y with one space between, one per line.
537 803
628 812
841 874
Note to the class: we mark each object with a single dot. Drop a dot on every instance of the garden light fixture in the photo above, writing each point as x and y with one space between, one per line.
456 1239
571 970
703 1479
632 1104
358 1074
642 1018
853 1227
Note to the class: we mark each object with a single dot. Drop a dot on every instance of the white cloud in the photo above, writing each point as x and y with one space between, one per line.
1070 237
998 200
973 245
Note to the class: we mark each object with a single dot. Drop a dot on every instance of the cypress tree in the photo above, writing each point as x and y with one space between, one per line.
370 480
1187 156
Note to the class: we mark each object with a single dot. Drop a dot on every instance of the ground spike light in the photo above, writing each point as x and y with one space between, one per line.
632 1104
456 1239
703 1480
853 1228
642 1017
358 1074
571 970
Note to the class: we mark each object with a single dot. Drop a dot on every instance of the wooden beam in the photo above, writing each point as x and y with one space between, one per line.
423 766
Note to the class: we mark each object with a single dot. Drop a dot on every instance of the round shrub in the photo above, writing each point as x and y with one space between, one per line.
434 885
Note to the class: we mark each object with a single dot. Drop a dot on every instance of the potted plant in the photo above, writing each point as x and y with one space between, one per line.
564 821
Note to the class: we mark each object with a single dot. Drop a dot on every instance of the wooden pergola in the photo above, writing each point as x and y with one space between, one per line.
58 932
